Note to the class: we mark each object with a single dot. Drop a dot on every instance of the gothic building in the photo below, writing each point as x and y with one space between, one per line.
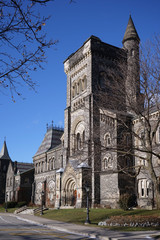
85 155
16 178
19 181
67 162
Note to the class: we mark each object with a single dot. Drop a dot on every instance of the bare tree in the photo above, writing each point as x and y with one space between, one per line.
23 42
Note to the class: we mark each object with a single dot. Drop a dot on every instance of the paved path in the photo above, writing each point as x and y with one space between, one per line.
92 232
15 228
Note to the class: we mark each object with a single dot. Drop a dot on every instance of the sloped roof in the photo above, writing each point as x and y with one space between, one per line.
51 140
130 32
23 167
4 152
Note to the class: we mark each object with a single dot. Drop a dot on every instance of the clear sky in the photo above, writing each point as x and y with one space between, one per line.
23 123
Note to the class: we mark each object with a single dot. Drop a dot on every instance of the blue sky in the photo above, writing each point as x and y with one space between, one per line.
23 123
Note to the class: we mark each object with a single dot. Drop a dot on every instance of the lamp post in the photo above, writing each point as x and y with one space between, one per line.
42 195
87 219
6 203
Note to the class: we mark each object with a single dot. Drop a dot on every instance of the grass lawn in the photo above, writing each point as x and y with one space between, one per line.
10 210
78 216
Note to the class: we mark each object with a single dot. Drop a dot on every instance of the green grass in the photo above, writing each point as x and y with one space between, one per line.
78 216
9 210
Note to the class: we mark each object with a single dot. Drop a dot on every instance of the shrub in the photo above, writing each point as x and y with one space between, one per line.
127 201
21 204
11 204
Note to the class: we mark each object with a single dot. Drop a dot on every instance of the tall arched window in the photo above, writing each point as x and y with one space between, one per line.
83 138
73 91
102 79
80 86
142 138
107 139
78 136
78 141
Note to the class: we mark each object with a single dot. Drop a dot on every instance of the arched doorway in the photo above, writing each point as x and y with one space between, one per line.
70 193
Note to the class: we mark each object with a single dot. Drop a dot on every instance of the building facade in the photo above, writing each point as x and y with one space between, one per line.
19 181
16 179
84 154
145 167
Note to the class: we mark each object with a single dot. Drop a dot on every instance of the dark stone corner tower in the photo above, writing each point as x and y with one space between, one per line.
4 162
89 122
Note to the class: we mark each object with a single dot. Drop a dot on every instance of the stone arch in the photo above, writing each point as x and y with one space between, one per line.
77 121
70 192
51 190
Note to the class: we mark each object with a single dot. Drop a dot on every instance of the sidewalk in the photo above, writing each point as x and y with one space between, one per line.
93 232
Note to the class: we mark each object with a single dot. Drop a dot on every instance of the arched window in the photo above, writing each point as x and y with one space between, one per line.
132 52
42 167
78 141
107 162
107 139
77 88
83 138
80 85
73 91
144 185
102 79
142 138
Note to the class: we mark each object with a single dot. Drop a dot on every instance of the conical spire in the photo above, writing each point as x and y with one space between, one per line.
4 152
130 32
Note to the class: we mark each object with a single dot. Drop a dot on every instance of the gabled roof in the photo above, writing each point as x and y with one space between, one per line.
4 152
130 32
51 140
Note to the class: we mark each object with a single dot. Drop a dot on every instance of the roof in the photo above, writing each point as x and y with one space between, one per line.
4 152
95 39
130 32
23 167
51 140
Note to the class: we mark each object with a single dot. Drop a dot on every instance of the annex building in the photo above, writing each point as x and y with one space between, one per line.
83 154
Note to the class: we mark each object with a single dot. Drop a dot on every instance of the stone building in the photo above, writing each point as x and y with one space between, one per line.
47 160
16 178
144 181
19 181
4 162
83 155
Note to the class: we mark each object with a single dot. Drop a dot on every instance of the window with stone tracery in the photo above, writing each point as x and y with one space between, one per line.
144 185
142 162
107 162
78 86
79 137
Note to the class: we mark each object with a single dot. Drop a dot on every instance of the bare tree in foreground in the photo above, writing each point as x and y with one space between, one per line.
23 42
